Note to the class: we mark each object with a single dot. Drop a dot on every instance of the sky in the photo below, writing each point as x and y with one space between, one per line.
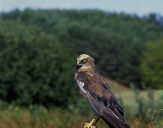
139 7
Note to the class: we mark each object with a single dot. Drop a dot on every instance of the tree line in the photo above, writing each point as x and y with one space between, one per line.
38 50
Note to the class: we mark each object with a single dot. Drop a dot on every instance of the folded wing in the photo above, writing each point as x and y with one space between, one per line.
102 99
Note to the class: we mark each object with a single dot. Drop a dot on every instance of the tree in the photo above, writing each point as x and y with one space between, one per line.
35 68
152 65
116 41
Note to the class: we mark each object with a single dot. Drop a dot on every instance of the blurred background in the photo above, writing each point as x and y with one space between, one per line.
39 43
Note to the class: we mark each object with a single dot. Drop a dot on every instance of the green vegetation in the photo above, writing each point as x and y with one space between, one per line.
40 117
33 67
117 41
38 50
152 64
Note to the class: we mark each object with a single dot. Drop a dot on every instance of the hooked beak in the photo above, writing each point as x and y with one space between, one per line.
78 66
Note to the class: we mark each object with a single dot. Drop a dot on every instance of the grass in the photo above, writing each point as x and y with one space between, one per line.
39 117
144 109
36 117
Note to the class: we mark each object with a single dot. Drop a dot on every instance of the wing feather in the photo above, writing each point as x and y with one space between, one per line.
102 99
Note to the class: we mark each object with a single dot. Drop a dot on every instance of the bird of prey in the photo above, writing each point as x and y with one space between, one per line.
99 94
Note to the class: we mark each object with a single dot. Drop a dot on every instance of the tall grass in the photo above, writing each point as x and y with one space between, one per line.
148 113
37 117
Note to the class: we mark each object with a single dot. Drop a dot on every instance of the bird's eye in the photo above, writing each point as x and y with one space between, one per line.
84 60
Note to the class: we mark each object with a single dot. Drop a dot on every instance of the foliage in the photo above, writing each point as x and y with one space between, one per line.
149 110
33 67
38 117
115 40
152 64
38 50
41 117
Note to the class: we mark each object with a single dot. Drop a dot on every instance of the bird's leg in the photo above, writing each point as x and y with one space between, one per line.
96 120
92 124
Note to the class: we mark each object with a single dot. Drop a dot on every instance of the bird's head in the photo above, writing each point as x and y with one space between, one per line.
85 61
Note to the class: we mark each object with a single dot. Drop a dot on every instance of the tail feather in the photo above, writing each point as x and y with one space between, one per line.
113 123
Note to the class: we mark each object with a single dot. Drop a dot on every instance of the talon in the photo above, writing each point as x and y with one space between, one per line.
90 124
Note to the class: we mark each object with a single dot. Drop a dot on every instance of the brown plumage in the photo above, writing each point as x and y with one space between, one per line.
98 93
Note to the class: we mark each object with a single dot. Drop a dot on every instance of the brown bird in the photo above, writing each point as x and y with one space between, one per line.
98 94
